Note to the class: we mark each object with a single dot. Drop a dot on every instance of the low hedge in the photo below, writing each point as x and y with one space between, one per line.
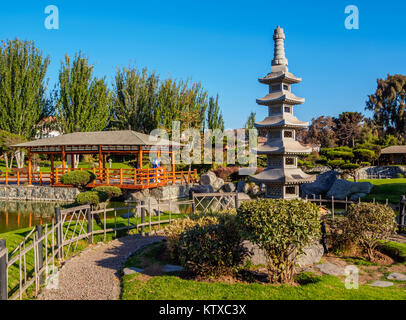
213 249
282 228
112 192
79 178
91 197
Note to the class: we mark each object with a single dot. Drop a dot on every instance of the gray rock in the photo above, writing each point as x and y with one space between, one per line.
172 268
382 284
340 189
229 187
217 184
242 186
396 276
243 196
356 196
311 255
330 269
322 185
201 189
361 187
132 270
254 190
208 178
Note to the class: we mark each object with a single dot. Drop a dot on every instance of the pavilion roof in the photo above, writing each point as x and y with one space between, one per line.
124 137
394 149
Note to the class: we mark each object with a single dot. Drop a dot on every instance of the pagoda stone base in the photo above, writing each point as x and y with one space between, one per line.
280 191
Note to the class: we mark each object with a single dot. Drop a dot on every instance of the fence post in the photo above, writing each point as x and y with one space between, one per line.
89 225
58 225
332 205
40 253
142 215
237 203
193 203
3 270
402 210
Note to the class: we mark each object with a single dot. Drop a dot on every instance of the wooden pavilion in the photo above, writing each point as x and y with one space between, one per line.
103 144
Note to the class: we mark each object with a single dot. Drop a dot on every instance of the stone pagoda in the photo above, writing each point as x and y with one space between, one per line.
282 177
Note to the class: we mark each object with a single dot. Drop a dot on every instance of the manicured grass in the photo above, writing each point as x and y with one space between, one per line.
312 288
395 250
391 189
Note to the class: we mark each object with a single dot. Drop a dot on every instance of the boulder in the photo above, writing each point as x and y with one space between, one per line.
132 270
200 189
361 187
217 184
208 178
343 188
311 255
397 276
330 269
356 196
242 186
321 186
229 187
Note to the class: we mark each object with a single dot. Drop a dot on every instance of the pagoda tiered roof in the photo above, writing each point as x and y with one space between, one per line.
285 120
280 76
279 97
283 176
283 146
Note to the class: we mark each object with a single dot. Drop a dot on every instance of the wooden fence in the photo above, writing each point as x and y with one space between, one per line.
34 258
123 178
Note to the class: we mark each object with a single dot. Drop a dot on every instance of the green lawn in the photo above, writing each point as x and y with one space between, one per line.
169 287
311 287
391 189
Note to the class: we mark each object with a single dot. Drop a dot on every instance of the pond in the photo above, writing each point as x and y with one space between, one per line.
22 214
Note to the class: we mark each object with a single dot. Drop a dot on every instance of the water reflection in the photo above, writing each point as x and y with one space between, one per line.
22 214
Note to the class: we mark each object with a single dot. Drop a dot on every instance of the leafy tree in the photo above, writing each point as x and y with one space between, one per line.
347 128
8 139
83 102
388 104
321 132
250 121
22 87
214 115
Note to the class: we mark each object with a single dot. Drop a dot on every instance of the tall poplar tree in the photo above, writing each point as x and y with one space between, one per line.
22 87
83 102
214 115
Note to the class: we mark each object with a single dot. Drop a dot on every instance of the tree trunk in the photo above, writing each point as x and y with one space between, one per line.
20 159
76 158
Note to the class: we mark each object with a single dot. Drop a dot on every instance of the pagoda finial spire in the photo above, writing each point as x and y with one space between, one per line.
279 52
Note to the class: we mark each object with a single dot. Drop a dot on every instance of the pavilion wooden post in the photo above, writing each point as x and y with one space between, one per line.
29 167
52 177
72 161
100 163
140 158
63 159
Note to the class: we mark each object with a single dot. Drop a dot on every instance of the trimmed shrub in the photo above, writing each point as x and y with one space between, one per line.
176 228
226 173
368 223
282 228
78 178
91 197
111 191
211 250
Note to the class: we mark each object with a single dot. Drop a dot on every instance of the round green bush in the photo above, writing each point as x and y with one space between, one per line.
282 228
77 178
91 197
368 223
112 192
211 250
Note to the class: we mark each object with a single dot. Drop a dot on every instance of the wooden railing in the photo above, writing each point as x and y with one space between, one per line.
124 178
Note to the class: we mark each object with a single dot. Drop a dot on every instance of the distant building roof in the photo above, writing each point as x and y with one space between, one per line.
394 149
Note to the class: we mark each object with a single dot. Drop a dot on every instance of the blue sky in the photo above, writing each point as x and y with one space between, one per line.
227 45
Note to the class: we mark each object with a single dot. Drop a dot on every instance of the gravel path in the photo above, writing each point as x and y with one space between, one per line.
93 275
